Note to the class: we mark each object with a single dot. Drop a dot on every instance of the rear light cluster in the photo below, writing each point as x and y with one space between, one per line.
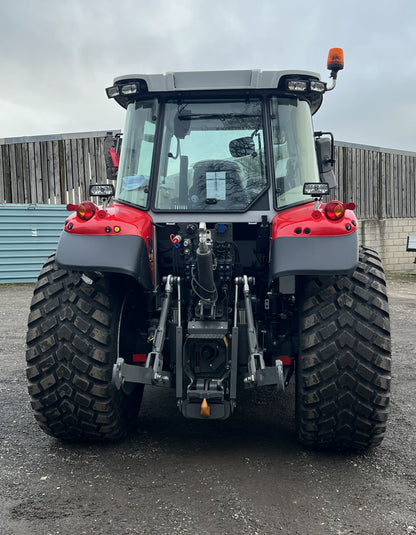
335 210
86 210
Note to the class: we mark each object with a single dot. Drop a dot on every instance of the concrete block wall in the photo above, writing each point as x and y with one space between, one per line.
389 238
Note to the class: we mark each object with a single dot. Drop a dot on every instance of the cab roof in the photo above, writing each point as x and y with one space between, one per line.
131 87
213 80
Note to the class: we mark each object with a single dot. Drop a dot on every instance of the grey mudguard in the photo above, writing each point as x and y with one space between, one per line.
321 255
118 254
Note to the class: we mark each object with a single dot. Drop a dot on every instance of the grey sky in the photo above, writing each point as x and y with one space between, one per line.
58 56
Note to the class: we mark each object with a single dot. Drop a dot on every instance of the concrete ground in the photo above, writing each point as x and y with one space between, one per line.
246 475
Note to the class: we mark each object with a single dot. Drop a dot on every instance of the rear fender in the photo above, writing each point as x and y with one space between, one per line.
117 254
119 240
305 242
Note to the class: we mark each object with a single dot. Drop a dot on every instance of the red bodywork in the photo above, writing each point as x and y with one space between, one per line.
117 219
305 221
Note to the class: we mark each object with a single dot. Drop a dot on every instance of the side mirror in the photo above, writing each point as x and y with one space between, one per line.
243 146
182 124
325 156
324 153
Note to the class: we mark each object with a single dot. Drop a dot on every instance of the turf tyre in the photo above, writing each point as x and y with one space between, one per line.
344 361
72 343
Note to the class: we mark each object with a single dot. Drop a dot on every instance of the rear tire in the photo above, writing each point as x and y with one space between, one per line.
343 367
72 343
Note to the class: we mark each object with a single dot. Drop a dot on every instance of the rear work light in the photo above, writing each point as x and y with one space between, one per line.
334 211
131 88
302 86
86 210
113 91
101 190
316 189
297 85
318 87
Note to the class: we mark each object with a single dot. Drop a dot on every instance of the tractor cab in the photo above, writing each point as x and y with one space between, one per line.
205 142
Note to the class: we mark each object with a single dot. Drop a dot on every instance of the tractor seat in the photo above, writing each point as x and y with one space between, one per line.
217 185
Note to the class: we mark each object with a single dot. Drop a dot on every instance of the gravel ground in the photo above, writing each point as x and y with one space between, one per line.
246 475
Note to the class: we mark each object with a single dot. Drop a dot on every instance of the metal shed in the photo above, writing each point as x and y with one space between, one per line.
29 233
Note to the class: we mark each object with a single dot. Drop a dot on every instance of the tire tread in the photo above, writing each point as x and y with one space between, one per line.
343 370
71 347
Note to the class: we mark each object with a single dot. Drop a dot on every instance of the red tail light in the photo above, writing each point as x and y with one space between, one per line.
334 210
86 210
350 206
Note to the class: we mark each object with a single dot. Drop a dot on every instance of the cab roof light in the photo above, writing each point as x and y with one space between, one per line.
318 87
113 91
124 90
130 89
297 85
302 86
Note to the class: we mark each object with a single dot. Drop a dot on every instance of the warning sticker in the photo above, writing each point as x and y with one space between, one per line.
216 185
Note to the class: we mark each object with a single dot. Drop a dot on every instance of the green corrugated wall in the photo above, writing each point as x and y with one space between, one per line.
29 233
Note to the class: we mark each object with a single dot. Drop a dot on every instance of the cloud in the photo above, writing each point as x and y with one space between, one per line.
57 57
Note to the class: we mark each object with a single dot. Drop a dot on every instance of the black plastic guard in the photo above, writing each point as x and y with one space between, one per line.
118 254
320 255
219 411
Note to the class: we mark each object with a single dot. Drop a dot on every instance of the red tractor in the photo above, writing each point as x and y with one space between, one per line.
214 266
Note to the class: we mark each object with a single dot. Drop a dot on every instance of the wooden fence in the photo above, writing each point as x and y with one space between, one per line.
59 169
52 169
381 182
